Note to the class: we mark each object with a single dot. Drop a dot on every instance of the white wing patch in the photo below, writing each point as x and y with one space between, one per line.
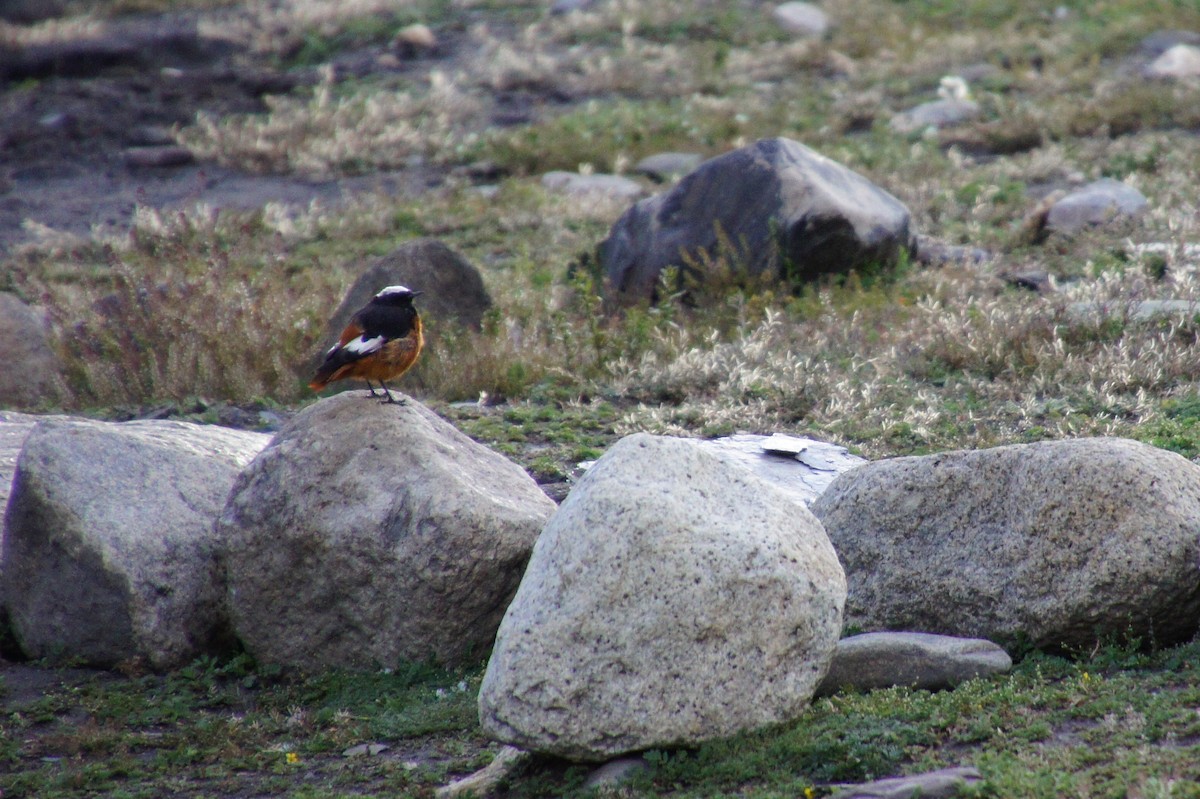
363 345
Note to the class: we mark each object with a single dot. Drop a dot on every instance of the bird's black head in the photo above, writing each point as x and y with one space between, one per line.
395 295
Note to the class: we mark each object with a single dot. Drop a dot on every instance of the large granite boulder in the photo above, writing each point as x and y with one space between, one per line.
367 534
1054 544
109 554
674 597
774 207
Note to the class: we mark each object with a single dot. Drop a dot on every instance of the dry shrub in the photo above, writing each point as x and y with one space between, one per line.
175 311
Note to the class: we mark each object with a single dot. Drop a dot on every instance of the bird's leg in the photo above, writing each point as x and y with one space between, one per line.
390 399
371 388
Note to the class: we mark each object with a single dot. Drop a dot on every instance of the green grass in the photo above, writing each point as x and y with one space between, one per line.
1116 722
916 361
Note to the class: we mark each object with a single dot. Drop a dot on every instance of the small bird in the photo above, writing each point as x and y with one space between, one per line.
381 342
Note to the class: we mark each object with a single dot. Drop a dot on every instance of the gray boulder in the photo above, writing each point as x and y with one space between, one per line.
1095 204
109 553
774 207
913 660
367 534
31 370
673 598
1054 544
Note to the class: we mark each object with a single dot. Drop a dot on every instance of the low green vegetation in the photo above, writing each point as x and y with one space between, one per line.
203 310
1115 722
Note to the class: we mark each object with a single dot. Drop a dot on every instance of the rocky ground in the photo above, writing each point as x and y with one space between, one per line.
86 120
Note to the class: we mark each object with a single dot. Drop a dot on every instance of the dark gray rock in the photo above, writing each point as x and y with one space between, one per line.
775 207
1053 544
913 660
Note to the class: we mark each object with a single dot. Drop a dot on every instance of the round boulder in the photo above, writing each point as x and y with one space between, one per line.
673 598
369 534
1054 544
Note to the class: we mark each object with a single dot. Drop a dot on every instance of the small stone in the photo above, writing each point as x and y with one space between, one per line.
366 750
663 167
613 186
780 444
615 772
158 156
1179 62
914 660
1094 204
416 37
935 114
567 6
804 19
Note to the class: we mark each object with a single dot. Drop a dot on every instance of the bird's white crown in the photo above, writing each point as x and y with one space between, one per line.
394 290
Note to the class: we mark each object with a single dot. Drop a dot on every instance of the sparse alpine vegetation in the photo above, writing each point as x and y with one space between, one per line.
204 305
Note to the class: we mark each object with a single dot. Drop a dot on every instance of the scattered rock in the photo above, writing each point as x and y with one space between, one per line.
1053 544
802 19
672 599
666 167
615 772
366 750
453 290
30 376
1131 310
109 552
1038 280
934 114
914 660
942 784
412 40
613 186
1160 42
802 467
775 207
935 252
1094 204
158 156
368 534
567 6
507 762
1181 62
